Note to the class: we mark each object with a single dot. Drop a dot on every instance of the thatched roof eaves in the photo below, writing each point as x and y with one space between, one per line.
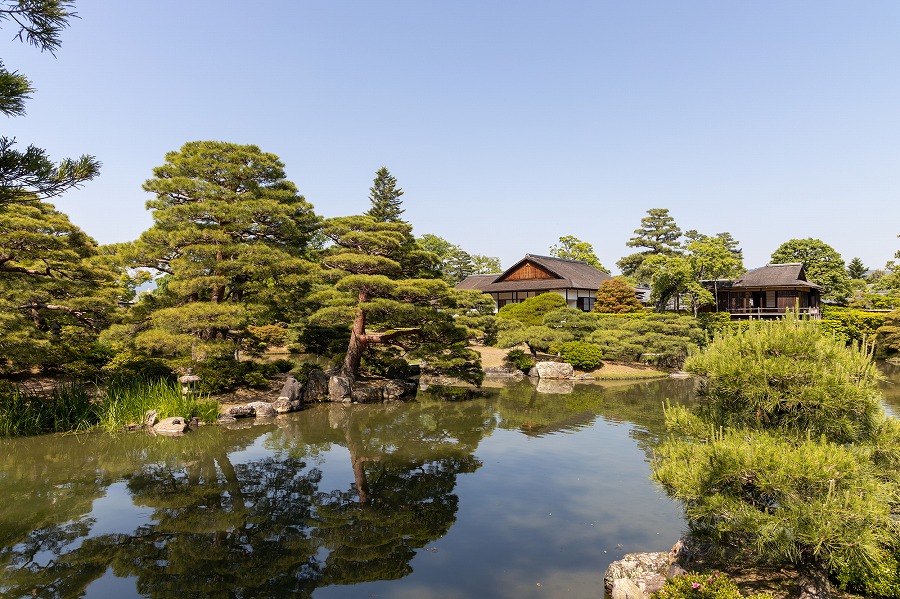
569 274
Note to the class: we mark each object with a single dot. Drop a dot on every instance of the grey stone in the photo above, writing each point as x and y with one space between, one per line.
633 566
283 405
552 370
366 393
316 386
262 409
558 387
174 425
292 390
151 418
398 389
503 372
226 419
625 588
241 411
340 388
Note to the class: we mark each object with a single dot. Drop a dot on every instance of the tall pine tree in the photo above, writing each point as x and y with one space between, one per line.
385 197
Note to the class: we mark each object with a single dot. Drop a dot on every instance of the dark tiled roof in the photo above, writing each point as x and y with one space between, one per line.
775 275
570 274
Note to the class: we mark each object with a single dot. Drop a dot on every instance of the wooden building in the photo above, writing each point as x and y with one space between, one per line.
533 275
767 292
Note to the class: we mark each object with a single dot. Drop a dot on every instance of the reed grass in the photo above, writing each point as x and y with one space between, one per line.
70 408
126 402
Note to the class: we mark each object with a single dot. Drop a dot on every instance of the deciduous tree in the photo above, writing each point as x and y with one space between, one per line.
823 265
572 248
616 296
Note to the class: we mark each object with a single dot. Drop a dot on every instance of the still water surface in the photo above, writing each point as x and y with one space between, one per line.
525 492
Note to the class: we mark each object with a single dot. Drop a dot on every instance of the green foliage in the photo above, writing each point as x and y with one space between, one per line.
695 585
30 175
822 263
57 289
223 374
855 269
887 337
581 355
616 296
67 408
851 325
385 362
572 248
791 458
571 320
376 297
520 360
537 338
126 401
663 340
385 198
659 234
531 312
876 301
454 263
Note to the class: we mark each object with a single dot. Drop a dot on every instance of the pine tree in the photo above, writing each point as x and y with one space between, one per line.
659 234
376 293
855 269
29 174
385 198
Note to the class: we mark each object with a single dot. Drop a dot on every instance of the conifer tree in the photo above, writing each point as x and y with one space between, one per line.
231 235
659 235
791 459
385 198
376 293
29 174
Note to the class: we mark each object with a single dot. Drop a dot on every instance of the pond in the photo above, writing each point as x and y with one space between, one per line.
523 492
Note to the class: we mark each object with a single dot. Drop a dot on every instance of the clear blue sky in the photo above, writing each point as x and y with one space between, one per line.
508 124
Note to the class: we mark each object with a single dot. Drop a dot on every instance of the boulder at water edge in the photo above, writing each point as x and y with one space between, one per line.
552 370
174 425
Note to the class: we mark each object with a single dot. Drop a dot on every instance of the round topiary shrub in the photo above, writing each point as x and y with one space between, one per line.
519 359
581 354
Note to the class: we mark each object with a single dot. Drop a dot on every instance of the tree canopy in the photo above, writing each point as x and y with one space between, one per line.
616 296
823 265
376 293
29 174
385 198
659 235
455 264
572 248
231 235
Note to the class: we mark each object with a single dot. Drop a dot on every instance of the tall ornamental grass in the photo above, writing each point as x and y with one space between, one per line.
70 408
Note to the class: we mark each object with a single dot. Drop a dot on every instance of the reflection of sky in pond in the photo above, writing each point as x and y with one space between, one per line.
517 494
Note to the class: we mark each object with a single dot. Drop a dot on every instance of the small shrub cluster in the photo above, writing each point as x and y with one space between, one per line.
220 374
664 340
582 355
703 586
520 360
851 325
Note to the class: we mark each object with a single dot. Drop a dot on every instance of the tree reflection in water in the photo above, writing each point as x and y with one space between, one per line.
256 528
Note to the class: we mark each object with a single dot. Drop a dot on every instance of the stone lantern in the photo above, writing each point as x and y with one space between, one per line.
189 383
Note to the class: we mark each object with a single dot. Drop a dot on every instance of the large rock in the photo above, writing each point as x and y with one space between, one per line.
174 425
504 372
645 573
316 386
241 412
151 417
552 370
340 389
292 390
366 393
398 389
283 406
262 409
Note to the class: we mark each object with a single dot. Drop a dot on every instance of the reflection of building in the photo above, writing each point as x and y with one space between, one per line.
533 275
767 292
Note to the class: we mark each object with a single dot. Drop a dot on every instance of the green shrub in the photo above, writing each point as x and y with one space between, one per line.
882 581
255 379
283 364
582 355
664 340
851 325
520 360
703 586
